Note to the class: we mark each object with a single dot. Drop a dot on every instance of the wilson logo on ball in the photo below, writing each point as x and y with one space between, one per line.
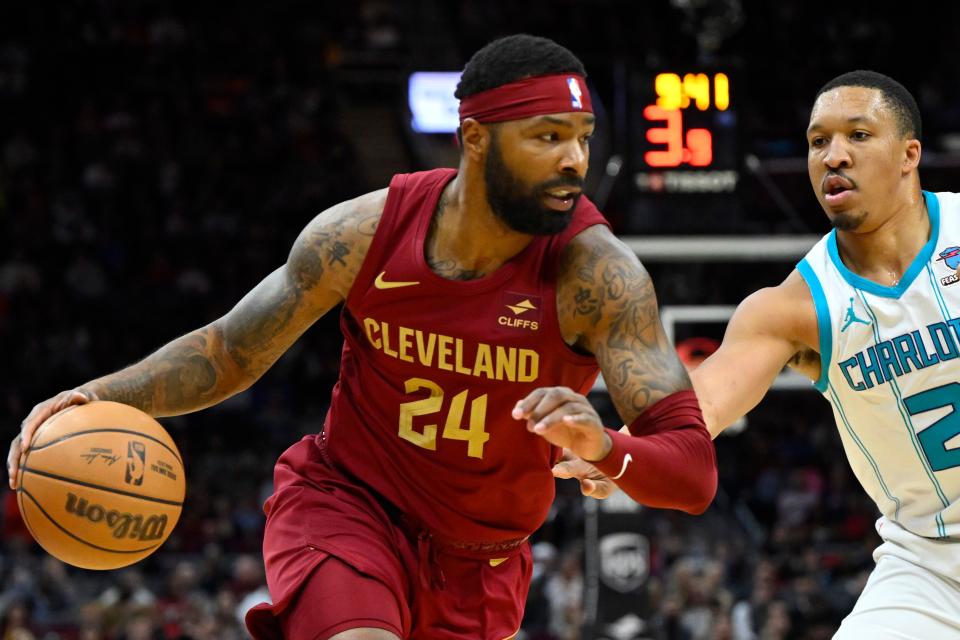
127 525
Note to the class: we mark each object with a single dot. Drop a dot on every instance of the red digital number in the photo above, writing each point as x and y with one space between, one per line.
671 134
698 151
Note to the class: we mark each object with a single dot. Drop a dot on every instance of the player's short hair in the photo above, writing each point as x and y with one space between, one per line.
896 96
514 58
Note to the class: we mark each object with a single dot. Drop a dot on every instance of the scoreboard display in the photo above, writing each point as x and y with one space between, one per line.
684 133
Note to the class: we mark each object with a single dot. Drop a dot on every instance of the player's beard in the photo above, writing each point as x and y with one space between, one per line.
519 206
847 220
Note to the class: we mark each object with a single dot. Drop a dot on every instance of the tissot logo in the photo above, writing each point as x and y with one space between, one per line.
522 311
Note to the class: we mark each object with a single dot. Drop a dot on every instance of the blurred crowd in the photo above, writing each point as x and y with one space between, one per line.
158 158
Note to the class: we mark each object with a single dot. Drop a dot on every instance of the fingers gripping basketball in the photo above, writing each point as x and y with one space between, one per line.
101 485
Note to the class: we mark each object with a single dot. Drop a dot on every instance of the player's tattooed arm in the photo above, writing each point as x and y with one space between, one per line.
608 307
214 362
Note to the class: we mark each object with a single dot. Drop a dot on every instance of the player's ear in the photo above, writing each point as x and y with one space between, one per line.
911 156
475 137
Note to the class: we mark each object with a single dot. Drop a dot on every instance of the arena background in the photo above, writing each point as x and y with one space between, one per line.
157 159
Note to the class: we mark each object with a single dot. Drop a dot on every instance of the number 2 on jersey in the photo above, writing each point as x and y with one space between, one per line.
475 435
934 438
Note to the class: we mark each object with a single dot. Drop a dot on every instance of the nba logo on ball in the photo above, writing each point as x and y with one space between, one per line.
136 462
576 93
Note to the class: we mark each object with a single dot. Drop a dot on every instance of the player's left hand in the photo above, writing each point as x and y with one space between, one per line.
593 483
565 419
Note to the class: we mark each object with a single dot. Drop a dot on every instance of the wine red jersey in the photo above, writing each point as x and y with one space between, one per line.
432 368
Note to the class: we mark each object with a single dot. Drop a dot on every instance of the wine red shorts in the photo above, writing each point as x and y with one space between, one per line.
337 560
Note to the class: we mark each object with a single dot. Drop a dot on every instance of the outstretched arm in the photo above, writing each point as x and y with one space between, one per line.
771 328
228 355
212 363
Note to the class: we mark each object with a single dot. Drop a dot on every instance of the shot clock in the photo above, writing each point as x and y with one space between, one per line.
685 133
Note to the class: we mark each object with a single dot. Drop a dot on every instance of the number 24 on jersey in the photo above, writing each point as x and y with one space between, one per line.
474 435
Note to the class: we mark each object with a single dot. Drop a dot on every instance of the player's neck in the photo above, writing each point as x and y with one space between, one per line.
884 254
465 231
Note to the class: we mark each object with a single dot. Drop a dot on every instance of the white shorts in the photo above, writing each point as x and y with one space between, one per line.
912 594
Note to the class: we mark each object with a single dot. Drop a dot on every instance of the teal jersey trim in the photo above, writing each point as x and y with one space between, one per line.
824 326
921 259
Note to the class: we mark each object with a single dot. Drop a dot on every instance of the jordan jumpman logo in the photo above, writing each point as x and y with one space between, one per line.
852 317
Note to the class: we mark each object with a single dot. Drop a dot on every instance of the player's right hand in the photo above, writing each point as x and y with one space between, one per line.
36 418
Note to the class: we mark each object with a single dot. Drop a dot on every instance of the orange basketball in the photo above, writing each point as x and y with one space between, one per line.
101 485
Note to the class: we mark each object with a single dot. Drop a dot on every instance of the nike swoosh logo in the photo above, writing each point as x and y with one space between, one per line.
380 283
627 459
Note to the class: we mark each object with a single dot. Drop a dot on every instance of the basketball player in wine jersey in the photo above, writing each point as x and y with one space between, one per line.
465 291
872 316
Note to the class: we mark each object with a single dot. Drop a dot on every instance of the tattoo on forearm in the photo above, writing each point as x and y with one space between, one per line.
253 325
130 386
181 376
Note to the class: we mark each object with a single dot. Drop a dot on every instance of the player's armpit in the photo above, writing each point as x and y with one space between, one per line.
608 307
771 328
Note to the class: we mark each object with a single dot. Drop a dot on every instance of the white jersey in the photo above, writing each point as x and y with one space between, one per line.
890 368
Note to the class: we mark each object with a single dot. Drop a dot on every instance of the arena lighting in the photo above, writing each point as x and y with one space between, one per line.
432 105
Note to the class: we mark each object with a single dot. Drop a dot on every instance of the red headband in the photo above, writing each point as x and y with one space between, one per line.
559 93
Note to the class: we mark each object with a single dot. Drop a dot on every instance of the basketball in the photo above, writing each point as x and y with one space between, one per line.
101 485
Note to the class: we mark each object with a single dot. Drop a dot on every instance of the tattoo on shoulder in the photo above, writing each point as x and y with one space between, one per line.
367 226
335 241
337 252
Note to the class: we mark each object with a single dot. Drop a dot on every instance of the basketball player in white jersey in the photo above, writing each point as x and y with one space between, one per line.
872 316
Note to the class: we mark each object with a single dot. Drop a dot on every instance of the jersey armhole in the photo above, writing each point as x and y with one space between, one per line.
824 326
375 252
